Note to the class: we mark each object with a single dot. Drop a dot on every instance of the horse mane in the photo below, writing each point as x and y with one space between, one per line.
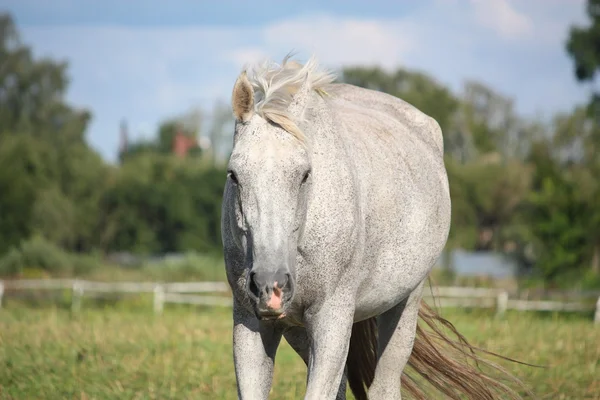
275 86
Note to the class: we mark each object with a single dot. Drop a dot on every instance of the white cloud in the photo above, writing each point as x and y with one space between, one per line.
551 19
502 17
335 40
339 40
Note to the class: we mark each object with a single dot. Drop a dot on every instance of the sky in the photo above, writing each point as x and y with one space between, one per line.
148 60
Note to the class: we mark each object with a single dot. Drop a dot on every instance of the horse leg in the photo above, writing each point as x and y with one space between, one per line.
397 330
329 331
298 340
254 346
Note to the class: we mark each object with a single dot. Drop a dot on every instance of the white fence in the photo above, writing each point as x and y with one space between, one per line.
499 299
197 293
177 292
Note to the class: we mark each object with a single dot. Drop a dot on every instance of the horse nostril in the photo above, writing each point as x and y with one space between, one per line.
252 286
261 285
281 279
287 282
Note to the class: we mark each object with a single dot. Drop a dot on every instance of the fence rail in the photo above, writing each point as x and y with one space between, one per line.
197 293
172 292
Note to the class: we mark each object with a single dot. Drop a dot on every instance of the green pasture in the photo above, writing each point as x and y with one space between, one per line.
129 353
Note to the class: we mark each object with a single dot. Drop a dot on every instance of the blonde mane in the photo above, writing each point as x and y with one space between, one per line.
275 86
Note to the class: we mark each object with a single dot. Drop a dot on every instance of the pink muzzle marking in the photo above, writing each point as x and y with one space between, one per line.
274 302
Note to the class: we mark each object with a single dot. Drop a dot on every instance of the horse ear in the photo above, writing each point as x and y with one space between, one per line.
300 99
242 99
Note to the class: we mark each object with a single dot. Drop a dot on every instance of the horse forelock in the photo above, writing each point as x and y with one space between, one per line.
276 86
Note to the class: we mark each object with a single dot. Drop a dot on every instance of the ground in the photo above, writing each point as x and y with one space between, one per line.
117 353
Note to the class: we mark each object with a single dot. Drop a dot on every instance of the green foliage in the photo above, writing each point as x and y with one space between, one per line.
485 195
559 229
53 217
35 253
49 178
582 44
581 131
50 190
11 264
83 180
556 226
191 266
32 92
53 185
161 204
39 258
39 253
85 264
24 170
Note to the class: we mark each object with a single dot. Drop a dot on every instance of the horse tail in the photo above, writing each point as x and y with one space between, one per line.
442 362
362 357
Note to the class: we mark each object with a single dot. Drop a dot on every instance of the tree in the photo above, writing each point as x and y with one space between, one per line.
580 133
558 217
24 173
556 228
487 123
56 189
31 92
582 45
486 192
159 203
48 173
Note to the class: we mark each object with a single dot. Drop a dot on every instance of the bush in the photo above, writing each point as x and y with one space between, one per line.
36 254
84 264
12 263
190 267
590 280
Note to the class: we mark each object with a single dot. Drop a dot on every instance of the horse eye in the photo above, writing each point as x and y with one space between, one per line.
231 175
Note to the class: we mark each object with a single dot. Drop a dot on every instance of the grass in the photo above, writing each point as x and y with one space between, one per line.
118 353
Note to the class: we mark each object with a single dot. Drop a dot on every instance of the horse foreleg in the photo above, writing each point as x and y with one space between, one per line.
254 346
397 329
329 331
298 340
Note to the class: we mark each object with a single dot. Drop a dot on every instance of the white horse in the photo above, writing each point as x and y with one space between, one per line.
335 210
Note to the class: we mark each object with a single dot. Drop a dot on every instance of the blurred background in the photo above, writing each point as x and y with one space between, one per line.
116 126
116 123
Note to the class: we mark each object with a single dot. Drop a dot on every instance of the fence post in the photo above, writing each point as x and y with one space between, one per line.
597 314
159 299
76 296
1 292
501 303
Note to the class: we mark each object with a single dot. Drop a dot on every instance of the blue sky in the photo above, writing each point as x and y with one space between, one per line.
146 60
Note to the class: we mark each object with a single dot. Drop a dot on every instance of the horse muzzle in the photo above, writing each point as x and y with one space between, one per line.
271 291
